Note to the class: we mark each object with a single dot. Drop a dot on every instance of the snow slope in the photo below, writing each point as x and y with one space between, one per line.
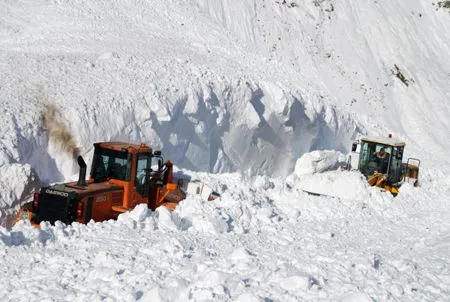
228 86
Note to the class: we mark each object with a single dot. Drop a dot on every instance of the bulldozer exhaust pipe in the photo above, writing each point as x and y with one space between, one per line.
82 176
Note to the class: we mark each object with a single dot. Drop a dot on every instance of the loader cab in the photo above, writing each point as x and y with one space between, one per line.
381 155
124 162
109 163
127 165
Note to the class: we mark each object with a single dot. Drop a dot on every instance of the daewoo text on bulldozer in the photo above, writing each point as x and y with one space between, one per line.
122 176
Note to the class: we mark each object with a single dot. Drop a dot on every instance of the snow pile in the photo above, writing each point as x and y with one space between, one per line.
319 173
318 161
346 185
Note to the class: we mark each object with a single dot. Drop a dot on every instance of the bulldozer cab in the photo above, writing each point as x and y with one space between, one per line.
124 162
135 167
110 164
381 156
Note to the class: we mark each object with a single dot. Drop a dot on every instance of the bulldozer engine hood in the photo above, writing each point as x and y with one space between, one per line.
90 189
59 202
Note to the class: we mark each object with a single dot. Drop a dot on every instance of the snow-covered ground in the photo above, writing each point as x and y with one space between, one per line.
258 242
234 92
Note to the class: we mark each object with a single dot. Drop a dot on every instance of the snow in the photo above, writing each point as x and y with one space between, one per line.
270 243
256 99
318 161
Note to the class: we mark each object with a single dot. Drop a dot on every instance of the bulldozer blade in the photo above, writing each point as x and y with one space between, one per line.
338 184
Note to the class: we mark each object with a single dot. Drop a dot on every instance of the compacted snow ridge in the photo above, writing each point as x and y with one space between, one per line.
257 99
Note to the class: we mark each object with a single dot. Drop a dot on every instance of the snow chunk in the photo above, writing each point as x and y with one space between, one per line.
318 161
165 218
357 297
201 216
152 296
240 255
137 218
247 297
294 283
340 184
314 174
138 214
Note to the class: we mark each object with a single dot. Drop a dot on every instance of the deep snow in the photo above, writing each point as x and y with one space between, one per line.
258 242
236 89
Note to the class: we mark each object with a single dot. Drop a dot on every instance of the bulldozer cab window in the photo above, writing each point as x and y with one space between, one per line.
374 157
142 173
143 167
157 163
395 169
111 164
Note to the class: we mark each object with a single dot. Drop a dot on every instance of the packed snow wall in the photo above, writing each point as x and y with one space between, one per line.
222 126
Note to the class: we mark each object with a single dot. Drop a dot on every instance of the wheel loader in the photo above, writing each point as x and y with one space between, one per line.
381 161
122 176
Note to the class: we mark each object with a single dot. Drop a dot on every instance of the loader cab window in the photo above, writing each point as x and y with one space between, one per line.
109 164
395 173
374 157
157 163
143 173
142 168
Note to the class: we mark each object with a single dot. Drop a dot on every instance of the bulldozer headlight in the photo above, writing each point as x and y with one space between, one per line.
80 210
35 201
